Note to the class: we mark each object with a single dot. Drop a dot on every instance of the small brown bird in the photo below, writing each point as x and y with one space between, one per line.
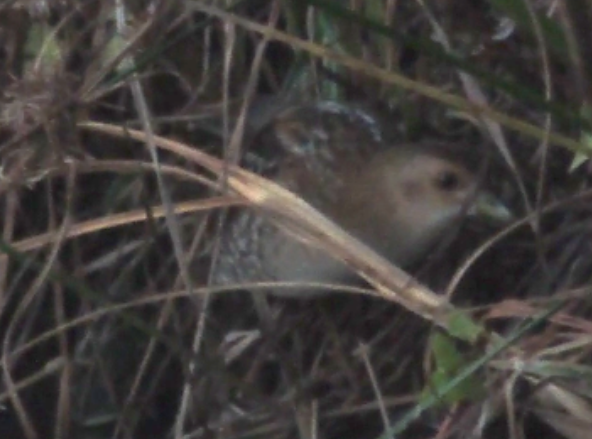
400 200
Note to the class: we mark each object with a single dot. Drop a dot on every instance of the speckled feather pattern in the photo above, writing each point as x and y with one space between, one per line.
301 141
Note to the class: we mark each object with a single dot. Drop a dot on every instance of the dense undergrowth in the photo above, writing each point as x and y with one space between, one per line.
108 327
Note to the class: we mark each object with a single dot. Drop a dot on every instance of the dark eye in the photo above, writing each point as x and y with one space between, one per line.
448 181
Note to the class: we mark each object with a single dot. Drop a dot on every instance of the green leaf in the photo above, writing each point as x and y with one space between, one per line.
42 48
449 363
463 327
583 154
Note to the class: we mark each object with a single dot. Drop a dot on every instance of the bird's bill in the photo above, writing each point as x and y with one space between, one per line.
487 206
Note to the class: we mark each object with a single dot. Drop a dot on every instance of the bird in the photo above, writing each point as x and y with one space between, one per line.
400 199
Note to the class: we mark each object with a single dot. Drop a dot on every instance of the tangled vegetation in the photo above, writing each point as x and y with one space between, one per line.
122 127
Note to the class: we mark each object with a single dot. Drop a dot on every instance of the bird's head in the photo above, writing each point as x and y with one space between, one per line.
406 197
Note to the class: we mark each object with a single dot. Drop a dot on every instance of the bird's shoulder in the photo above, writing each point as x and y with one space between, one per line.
317 134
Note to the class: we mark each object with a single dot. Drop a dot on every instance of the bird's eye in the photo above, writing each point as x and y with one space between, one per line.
448 181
